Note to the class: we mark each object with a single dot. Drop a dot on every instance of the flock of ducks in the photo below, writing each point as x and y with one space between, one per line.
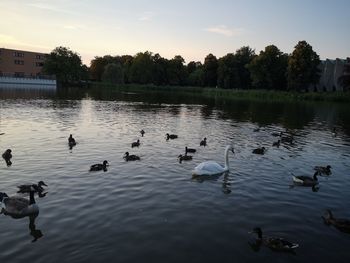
17 206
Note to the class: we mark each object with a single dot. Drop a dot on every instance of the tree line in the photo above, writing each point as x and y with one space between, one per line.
271 69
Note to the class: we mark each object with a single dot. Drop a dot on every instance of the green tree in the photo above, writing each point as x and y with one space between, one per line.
344 80
303 67
243 57
65 64
176 71
228 74
269 69
141 69
113 73
160 66
210 68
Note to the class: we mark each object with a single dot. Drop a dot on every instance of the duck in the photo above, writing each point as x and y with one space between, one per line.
131 157
142 132
203 142
26 188
261 150
334 132
274 243
256 129
7 155
189 150
341 224
326 170
19 206
287 138
71 141
184 158
306 180
99 166
213 168
135 144
171 136
276 144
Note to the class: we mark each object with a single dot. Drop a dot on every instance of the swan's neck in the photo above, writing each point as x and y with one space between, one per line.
226 159
31 198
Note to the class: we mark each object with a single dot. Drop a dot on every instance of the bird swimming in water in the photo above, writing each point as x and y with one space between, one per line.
26 188
276 144
261 150
71 141
131 157
135 144
203 142
142 132
341 224
18 206
323 170
306 180
184 158
171 136
189 150
7 155
274 243
99 166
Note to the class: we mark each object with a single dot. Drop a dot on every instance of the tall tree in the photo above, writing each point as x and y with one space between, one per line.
141 70
243 57
113 73
269 69
303 67
210 68
344 80
176 71
65 64
228 74
160 66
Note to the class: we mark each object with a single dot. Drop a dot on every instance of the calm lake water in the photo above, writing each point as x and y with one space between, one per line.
152 210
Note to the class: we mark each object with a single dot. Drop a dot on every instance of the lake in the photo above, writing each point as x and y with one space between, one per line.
152 210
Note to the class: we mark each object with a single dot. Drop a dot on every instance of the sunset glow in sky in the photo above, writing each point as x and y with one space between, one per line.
190 28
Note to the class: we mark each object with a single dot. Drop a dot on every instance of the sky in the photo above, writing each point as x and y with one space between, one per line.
190 28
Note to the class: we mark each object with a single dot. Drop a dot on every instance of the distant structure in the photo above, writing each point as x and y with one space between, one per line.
19 68
331 71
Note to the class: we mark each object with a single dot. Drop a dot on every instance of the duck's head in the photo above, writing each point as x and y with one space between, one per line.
105 163
328 167
8 151
263 148
205 139
41 183
180 156
126 154
2 196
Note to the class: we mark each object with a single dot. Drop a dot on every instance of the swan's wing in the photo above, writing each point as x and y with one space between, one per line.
16 204
208 168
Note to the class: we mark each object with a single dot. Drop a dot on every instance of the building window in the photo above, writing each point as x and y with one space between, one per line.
39 56
39 64
18 54
19 62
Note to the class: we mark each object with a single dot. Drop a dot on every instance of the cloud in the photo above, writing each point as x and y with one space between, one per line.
11 42
146 16
224 30
47 7
74 27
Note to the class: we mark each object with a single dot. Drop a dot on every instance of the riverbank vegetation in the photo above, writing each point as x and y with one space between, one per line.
270 70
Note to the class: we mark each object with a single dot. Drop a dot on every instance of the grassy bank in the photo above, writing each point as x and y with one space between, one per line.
260 95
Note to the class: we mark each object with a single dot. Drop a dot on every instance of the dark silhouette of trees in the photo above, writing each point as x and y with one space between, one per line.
269 69
303 67
113 73
210 69
65 64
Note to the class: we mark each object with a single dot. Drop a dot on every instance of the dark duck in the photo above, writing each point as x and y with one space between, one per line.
203 142
71 141
131 157
171 136
135 144
99 166
341 224
184 158
26 188
260 150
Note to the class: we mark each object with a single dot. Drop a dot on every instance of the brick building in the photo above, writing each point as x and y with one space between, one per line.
19 63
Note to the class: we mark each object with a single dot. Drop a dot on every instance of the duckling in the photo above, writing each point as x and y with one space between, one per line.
99 166
277 144
142 132
341 224
189 150
171 136
26 188
203 142
7 154
135 144
19 206
71 141
306 180
274 243
261 150
326 170
184 158
287 138
131 157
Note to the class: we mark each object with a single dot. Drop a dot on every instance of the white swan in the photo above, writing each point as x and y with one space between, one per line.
211 167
